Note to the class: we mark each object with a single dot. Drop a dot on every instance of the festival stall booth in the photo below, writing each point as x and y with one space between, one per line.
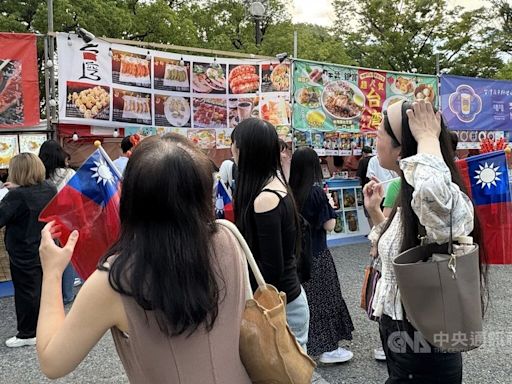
336 111
480 112
110 89
20 127
107 86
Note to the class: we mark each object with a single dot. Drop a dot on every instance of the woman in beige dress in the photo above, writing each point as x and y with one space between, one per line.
170 290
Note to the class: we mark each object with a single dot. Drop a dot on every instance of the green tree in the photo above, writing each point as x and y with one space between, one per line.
406 35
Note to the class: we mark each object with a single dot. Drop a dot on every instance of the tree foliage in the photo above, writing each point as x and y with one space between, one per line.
397 35
406 35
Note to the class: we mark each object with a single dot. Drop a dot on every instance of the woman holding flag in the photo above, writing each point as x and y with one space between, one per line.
171 289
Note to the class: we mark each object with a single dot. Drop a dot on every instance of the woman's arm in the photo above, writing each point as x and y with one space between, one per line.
435 195
329 225
64 341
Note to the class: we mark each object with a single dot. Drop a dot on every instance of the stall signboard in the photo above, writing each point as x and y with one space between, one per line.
31 142
9 147
471 104
338 99
19 82
112 85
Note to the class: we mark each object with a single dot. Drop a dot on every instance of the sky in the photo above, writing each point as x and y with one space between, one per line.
322 13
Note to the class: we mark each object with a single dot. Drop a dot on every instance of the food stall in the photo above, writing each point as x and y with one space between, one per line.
350 218
111 87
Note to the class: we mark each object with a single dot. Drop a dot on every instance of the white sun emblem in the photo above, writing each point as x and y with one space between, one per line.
488 175
102 172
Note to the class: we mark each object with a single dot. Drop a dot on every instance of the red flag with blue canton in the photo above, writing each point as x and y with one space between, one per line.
486 178
223 203
89 203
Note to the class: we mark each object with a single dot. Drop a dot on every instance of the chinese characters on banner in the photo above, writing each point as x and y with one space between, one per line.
331 101
373 86
471 104
142 90
19 84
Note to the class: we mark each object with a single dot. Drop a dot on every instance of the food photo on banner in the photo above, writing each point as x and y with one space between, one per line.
19 82
471 104
146 91
331 98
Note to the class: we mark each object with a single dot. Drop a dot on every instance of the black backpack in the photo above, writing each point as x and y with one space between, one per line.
305 256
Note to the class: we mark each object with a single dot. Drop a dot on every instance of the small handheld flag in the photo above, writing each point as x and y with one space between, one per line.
89 203
223 203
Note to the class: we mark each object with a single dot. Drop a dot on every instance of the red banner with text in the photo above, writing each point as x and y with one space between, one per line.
19 83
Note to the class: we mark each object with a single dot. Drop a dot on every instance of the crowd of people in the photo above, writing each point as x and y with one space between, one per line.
171 288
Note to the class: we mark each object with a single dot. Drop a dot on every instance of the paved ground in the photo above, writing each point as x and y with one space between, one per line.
489 364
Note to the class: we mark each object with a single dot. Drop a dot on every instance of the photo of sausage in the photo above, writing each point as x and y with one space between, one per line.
244 79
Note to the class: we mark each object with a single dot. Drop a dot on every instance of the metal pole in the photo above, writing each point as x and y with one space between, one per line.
295 44
47 85
437 64
51 55
258 31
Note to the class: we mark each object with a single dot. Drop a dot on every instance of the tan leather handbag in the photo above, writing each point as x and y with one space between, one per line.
441 295
268 348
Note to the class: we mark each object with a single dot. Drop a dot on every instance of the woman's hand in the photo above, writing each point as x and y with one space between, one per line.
10 185
54 259
423 121
425 125
330 199
373 195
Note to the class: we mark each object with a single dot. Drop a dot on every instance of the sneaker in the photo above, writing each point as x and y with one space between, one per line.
77 282
339 355
379 354
14 342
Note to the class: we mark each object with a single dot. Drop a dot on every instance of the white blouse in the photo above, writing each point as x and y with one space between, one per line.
431 201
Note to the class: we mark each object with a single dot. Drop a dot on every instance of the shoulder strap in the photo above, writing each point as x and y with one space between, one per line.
274 192
249 258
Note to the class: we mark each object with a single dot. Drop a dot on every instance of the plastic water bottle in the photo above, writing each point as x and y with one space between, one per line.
464 246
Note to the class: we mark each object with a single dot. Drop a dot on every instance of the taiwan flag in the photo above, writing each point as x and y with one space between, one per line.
89 203
223 203
486 178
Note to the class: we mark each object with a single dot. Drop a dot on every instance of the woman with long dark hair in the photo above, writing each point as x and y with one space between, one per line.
414 142
266 215
54 158
330 320
171 289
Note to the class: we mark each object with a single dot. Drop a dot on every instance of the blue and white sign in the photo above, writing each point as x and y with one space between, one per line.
476 104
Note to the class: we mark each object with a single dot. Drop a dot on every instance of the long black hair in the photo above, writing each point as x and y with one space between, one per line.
259 161
164 257
53 157
305 171
410 222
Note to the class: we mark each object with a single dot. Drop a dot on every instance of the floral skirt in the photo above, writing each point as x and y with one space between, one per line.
330 319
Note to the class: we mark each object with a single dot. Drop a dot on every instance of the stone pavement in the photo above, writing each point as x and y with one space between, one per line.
492 363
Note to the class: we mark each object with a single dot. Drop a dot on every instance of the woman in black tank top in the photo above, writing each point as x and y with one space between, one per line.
272 233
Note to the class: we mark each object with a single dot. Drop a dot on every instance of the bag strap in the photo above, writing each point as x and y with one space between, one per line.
422 232
249 258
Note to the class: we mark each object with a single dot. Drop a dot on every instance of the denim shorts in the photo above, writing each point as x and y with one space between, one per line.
297 316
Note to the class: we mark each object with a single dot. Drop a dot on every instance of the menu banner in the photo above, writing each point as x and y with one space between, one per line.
114 85
333 98
19 82
476 104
